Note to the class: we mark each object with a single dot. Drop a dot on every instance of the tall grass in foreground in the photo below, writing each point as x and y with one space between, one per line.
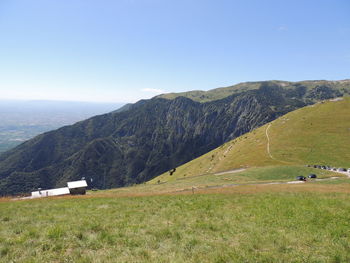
256 227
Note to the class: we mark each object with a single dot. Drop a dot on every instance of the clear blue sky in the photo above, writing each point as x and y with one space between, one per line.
125 50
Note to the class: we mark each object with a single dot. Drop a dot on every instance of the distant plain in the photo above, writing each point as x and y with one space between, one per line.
22 120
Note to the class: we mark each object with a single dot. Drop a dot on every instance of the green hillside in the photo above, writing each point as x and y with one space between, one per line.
317 134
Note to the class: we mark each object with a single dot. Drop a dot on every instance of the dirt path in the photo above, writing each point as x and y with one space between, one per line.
268 141
231 171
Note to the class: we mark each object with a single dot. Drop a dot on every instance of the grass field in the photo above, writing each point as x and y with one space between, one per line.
275 223
306 222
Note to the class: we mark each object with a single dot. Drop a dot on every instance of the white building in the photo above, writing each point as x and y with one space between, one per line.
77 187
74 188
51 192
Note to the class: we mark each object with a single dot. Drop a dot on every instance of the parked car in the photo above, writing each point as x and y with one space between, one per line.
342 170
312 176
300 178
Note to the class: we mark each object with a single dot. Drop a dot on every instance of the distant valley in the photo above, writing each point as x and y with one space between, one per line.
22 120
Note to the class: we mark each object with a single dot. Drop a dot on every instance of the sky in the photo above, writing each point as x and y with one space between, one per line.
126 50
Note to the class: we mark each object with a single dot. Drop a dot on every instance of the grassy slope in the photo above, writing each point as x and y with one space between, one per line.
317 134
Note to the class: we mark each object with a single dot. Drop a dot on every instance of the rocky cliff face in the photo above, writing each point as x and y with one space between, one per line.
145 140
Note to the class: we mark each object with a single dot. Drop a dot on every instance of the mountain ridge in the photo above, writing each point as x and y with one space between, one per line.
148 138
219 93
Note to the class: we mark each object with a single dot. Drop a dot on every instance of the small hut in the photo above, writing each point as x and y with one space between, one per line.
77 187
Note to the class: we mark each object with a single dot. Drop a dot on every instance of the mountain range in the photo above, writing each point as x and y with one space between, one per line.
142 140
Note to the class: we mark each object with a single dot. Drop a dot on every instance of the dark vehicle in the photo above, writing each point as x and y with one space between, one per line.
301 178
312 176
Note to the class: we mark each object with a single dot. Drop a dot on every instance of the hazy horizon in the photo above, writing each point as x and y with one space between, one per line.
63 101
126 102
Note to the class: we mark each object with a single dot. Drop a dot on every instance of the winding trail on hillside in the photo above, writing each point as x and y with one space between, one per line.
268 142
268 147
